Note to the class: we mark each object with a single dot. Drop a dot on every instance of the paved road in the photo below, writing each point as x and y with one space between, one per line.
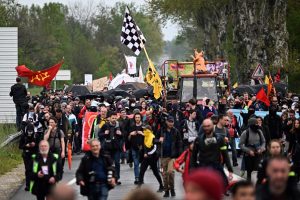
127 179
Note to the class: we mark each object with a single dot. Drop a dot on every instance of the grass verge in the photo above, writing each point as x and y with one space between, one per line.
5 130
10 157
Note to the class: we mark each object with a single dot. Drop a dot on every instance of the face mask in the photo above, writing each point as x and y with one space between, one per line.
133 105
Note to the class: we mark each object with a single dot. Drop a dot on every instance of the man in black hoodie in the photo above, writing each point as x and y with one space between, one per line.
19 93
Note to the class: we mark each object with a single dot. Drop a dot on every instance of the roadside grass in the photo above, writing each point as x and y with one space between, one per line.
10 155
5 130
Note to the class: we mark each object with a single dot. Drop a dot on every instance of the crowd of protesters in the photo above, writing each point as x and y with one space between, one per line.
167 137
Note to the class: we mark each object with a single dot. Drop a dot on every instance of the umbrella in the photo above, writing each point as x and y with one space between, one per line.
118 92
78 90
120 79
132 86
244 88
140 93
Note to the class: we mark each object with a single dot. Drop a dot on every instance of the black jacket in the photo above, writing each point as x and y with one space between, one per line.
112 141
263 193
209 154
42 185
85 167
19 93
176 142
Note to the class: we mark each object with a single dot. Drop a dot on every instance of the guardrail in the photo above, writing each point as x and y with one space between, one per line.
11 138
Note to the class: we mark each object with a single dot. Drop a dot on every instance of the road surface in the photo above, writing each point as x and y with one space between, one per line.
119 192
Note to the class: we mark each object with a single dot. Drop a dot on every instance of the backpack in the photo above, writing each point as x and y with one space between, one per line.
56 136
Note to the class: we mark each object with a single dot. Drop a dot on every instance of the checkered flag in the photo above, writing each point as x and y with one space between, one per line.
131 34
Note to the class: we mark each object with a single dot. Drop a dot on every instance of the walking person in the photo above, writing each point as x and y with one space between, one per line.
45 171
190 129
136 138
28 143
208 152
252 143
56 140
171 147
18 92
111 138
95 174
150 158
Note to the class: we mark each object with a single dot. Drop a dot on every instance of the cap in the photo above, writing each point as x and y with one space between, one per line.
42 106
170 119
77 99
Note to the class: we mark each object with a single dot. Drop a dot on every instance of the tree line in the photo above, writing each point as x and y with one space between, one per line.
86 36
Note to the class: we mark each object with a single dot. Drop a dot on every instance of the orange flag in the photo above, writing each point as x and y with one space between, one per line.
261 96
40 78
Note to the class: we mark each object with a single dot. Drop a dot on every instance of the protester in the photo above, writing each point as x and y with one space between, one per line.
150 157
136 138
207 152
204 184
62 191
171 147
19 93
45 171
95 173
243 190
55 137
277 185
111 138
141 194
252 143
29 145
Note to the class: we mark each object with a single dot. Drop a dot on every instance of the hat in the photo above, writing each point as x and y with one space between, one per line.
170 119
252 121
209 114
135 111
77 99
208 181
42 106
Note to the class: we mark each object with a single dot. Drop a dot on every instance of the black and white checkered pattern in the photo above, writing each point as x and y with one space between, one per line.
131 34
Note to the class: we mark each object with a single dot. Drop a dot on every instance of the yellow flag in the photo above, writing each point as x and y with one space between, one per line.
235 85
152 77
267 80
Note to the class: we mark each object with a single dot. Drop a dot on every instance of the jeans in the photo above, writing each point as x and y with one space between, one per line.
116 156
233 150
136 162
98 192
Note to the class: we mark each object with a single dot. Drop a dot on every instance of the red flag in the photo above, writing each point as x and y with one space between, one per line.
86 130
40 78
261 96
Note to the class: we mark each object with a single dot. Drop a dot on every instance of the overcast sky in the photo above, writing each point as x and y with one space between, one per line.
170 30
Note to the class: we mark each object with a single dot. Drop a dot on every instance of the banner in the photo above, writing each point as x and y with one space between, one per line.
86 129
100 83
88 79
40 78
131 64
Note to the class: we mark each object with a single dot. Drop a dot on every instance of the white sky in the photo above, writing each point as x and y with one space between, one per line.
170 30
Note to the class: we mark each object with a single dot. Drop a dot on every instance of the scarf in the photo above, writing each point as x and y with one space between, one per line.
148 139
